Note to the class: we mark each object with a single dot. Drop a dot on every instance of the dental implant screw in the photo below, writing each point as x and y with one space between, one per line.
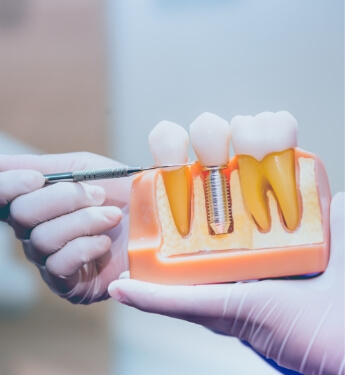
218 201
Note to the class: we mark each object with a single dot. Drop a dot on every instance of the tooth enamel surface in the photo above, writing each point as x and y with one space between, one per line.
210 136
266 159
169 145
263 134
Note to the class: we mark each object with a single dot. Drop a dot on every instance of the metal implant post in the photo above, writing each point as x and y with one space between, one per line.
218 200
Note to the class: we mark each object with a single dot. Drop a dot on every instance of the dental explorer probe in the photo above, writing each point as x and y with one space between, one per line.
104 173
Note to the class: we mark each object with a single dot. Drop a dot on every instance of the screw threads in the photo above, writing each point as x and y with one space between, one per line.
218 201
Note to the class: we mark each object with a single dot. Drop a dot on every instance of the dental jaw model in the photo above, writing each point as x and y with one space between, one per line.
264 213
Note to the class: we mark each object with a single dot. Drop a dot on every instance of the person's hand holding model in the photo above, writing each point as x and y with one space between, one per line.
76 234
299 323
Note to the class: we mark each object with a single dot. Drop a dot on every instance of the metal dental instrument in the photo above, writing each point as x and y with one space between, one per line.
104 173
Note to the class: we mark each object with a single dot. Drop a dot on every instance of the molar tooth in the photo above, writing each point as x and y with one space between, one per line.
265 147
169 145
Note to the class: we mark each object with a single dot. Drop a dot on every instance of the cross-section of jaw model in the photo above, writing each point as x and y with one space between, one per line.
263 213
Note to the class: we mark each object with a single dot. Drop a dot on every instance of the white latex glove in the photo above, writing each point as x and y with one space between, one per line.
71 231
298 323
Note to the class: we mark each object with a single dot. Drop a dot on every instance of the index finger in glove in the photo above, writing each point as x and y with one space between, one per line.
16 183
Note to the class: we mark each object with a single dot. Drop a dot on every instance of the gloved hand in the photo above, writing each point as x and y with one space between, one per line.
298 323
73 232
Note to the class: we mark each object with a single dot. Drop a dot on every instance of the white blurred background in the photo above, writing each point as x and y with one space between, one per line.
97 76
174 60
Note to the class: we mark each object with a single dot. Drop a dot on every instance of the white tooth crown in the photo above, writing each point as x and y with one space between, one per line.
263 134
210 136
169 143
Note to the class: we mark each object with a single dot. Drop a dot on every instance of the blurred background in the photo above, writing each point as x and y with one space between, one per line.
80 75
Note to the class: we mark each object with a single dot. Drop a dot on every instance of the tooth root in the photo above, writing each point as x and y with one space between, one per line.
254 187
280 172
276 171
177 186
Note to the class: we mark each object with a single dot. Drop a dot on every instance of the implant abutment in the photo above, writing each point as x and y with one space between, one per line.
218 200
210 135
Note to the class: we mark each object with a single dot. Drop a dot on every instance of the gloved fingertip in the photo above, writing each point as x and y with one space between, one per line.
115 292
337 213
114 214
32 180
104 241
119 211
124 275
339 196
338 201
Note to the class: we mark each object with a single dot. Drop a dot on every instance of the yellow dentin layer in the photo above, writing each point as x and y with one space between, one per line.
177 185
277 172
